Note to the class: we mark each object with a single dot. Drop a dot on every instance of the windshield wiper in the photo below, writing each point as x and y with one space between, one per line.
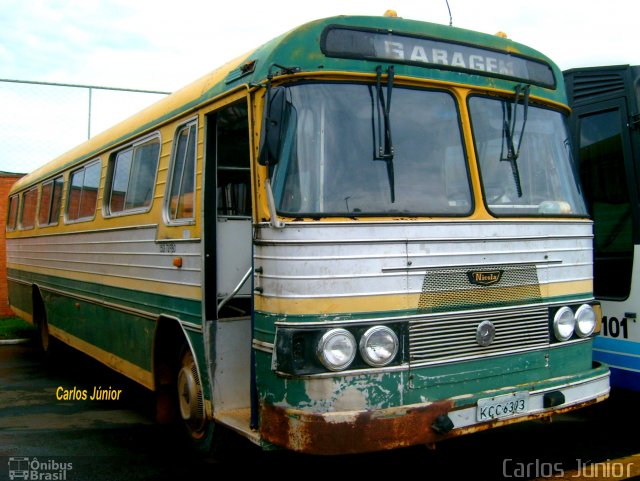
509 127
384 146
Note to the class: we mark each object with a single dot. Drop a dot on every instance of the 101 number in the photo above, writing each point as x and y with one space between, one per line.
612 327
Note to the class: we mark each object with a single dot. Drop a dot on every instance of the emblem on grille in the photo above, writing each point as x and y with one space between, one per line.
485 334
484 278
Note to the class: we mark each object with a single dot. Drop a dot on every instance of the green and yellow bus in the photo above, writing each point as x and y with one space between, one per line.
365 234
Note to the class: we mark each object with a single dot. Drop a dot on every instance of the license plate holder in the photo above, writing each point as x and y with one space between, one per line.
504 406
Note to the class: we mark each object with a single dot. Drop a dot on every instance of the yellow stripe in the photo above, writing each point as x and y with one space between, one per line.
379 303
26 316
116 363
154 287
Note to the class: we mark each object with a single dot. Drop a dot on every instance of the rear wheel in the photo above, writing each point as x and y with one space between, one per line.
44 340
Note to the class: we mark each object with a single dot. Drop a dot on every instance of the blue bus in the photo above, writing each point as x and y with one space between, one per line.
605 126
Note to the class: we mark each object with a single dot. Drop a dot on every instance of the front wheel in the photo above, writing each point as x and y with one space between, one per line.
191 406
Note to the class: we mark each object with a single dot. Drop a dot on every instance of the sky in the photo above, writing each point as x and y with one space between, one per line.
163 45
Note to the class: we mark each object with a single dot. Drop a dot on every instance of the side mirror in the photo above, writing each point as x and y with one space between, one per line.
274 121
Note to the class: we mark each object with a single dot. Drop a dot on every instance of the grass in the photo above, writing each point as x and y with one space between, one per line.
15 328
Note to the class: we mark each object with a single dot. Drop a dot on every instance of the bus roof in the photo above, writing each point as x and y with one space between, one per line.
304 48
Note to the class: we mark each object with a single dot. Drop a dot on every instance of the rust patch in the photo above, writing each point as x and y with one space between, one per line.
350 432
353 431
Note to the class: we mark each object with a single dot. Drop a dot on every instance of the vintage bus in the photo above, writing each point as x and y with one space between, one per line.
605 121
363 235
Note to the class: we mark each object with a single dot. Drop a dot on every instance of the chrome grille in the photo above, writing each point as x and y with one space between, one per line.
447 289
453 336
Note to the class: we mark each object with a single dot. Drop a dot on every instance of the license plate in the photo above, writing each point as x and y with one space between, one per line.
502 406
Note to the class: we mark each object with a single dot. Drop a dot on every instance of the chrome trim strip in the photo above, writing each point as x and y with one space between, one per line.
348 372
384 293
470 266
409 317
190 326
413 221
264 242
19 281
88 231
572 384
263 346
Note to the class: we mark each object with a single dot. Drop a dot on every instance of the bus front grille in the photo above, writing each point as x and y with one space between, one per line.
452 336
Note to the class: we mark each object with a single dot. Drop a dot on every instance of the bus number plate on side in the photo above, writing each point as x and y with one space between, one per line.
502 406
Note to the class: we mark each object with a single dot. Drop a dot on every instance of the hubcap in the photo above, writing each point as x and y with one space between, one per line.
190 397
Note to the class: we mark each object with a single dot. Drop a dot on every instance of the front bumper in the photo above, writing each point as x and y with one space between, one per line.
344 432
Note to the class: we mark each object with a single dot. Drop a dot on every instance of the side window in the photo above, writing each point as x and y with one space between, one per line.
50 200
12 213
180 200
604 179
133 176
30 201
83 192
233 152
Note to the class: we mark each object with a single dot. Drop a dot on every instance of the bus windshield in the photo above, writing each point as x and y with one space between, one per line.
332 161
538 178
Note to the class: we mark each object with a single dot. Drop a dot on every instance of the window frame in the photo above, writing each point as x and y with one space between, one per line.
84 167
51 221
25 205
111 170
387 214
579 199
171 178
14 200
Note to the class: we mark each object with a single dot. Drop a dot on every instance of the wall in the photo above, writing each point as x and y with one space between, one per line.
6 181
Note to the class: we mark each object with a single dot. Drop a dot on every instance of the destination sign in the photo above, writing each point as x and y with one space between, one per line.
344 42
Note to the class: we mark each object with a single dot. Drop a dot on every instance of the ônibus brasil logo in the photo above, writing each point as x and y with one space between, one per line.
34 469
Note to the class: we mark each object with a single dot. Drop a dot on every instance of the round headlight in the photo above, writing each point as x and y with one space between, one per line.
336 349
585 320
378 346
564 323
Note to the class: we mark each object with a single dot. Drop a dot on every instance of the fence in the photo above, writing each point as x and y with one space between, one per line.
41 120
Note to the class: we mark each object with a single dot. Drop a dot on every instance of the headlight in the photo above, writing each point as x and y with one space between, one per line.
378 346
336 349
564 323
585 320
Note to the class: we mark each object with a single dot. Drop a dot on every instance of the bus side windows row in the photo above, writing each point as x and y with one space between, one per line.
130 185
49 212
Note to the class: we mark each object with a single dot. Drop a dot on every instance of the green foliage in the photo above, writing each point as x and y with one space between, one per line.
15 328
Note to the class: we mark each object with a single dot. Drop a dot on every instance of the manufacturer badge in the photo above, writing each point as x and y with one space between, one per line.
485 334
484 278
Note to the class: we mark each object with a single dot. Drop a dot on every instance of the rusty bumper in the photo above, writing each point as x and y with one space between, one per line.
364 431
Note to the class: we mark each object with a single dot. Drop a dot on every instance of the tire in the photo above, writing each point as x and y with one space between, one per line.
44 340
200 431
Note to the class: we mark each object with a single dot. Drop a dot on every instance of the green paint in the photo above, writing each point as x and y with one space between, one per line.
300 48
187 310
115 328
465 381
